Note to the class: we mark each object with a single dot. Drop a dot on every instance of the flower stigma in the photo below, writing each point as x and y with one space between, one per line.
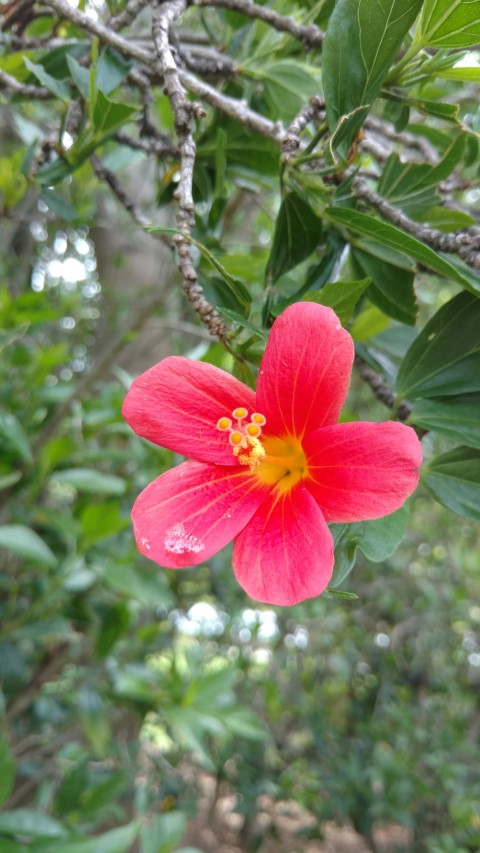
284 464
244 437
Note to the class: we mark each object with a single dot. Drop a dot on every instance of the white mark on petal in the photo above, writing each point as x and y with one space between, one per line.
145 543
178 541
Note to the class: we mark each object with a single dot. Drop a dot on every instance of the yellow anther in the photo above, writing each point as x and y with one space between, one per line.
259 419
223 424
252 456
240 413
236 439
253 430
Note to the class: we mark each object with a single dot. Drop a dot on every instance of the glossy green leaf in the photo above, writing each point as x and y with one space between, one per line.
342 296
297 234
26 543
90 480
30 823
449 24
445 357
362 39
411 186
59 88
454 480
396 239
456 417
392 287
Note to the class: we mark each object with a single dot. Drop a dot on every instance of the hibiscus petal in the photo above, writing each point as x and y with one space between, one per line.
285 553
360 471
192 511
177 404
305 372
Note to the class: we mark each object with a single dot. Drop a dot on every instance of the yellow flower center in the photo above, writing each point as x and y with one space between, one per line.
278 462
284 464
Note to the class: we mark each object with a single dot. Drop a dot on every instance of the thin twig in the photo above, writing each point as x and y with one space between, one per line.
110 179
17 88
184 112
291 139
462 243
311 36
381 390
128 14
239 110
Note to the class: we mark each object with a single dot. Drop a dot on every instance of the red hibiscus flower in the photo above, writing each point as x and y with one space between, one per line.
267 469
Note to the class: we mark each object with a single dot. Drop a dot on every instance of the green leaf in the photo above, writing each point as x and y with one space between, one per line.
379 539
468 74
89 480
445 357
449 24
411 186
7 774
14 436
454 480
10 479
362 39
53 173
456 417
287 84
240 321
243 722
142 584
30 823
80 76
58 205
345 553
237 288
26 543
392 287
369 323
164 833
342 296
445 219
341 593
394 238
59 88
112 69
297 234
108 116
117 840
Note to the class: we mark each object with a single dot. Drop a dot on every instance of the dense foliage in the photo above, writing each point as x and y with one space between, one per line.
320 151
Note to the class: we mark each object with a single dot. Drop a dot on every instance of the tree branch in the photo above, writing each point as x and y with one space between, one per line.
381 390
17 88
184 112
311 36
291 138
462 243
